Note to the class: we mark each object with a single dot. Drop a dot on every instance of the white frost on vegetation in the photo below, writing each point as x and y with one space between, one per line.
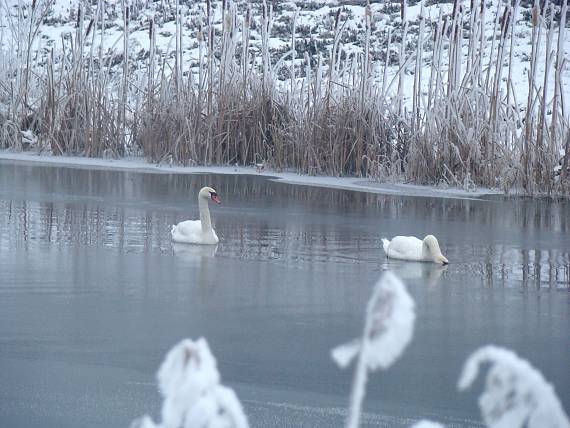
193 396
427 424
516 394
389 326
388 329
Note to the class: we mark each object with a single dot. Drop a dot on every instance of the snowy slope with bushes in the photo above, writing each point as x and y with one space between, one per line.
422 91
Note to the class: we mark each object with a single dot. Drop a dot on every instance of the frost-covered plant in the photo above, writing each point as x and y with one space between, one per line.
193 396
427 424
388 329
516 394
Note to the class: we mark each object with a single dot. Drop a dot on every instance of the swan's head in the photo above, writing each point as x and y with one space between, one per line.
441 259
430 241
209 193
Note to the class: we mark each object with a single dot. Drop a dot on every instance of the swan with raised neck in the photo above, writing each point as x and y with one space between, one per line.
198 231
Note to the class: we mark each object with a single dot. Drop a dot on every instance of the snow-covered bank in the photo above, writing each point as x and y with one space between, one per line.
348 183
321 86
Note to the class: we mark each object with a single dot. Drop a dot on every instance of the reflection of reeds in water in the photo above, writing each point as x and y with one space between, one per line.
537 268
505 266
175 190
297 242
64 224
263 220
70 224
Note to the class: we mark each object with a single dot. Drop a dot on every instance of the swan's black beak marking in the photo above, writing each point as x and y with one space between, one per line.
214 196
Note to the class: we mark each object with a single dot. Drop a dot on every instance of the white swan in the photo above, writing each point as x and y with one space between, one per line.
198 231
412 248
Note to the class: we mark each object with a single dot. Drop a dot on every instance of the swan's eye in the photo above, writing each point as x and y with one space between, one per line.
214 196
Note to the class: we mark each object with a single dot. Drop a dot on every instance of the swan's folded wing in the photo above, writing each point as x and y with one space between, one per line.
188 231
406 248
189 226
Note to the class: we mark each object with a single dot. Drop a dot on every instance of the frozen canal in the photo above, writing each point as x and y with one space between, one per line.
93 294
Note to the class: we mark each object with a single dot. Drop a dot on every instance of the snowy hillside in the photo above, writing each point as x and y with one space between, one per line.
313 22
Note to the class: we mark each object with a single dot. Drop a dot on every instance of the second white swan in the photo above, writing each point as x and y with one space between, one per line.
414 249
198 231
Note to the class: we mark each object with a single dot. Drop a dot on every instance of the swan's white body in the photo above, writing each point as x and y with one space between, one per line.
198 231
414 249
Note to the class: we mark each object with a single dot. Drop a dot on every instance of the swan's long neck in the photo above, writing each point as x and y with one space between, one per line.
205 219
431 251
426 253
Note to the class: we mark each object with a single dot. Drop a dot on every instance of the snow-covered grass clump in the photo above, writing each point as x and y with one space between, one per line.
388 329
516 394
427 424
193 396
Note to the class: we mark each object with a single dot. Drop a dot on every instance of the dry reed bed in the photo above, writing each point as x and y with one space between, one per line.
465 127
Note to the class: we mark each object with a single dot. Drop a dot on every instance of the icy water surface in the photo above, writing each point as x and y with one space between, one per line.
93 294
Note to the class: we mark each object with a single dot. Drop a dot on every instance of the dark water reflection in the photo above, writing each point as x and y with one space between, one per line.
498 242
92 293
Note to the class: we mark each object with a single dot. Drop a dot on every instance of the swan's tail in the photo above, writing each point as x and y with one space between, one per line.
173 229
385 244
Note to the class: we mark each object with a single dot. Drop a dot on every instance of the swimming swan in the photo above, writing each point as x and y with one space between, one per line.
198 231
411 248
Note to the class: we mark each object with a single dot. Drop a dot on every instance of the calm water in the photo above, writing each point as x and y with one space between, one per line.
93 294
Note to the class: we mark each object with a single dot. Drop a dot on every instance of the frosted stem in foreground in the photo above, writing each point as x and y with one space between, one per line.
516 394
193 396
388 329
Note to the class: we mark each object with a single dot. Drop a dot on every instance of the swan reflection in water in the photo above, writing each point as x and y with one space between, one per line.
194 253
428 273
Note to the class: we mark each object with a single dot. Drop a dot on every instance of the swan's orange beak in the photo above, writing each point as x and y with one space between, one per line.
216 198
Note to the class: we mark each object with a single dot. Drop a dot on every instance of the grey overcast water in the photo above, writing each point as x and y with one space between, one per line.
93 294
